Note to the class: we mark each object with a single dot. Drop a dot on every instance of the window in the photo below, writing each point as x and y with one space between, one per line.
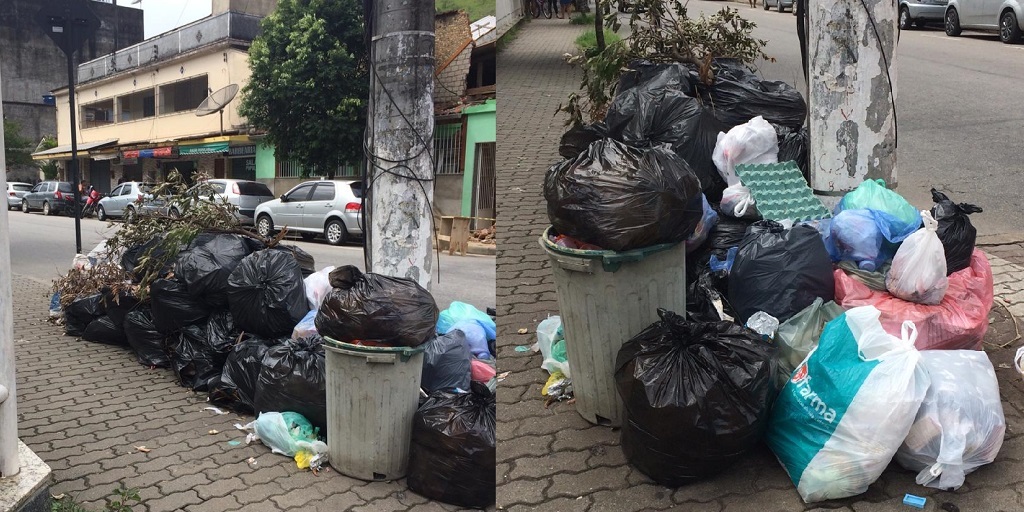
137 105
96 114
357 190
218 186
323 192
65 187
22 188
248 188
300 193
117 191
448 148
483 69
39 187
183 95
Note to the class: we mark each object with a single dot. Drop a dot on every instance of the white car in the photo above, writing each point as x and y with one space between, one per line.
1004 16
331 208
16 191
123 201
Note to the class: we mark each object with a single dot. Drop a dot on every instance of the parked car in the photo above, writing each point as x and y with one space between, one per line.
779 5
51 197
122 201
921 12
331 208
244 195
16 191
1004 16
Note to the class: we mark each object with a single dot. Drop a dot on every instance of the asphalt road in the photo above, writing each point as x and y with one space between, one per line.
958 112
44 247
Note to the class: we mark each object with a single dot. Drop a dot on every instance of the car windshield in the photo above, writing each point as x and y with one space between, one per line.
65 187
22 188
252 188
357 189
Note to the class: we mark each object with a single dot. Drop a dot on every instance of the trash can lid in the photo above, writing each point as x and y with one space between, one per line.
611 260
405 352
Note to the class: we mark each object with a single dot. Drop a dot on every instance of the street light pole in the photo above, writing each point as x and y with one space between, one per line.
74 145
9 461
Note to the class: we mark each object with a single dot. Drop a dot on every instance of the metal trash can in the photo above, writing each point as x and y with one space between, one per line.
372 395
605 298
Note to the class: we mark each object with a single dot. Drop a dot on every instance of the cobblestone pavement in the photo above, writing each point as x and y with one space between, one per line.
84 407
551 459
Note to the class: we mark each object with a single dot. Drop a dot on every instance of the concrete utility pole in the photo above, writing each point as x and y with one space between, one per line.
401 140
852 91
9 462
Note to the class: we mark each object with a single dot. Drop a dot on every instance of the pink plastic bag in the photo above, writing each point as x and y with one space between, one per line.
481 371
958 322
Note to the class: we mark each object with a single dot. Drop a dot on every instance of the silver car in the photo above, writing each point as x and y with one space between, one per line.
1004 16
331 208
243 194
123 200
919 12
779 5
16 191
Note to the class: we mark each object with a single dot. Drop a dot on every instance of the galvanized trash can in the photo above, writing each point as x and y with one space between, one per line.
372 395
605 298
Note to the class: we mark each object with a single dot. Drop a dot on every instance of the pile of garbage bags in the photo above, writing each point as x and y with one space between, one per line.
247 324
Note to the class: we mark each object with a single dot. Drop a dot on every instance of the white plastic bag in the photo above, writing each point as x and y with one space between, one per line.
547 333
918 272
317 286
738 202
754 142
848 407
960 426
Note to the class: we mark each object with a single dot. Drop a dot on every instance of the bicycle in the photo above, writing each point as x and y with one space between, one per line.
541 7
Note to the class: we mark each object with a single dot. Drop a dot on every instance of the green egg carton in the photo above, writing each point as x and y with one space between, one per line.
780 192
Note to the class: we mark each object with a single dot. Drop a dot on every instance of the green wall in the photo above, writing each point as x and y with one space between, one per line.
265 162
481 126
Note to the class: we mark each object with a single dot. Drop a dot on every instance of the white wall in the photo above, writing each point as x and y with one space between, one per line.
509 12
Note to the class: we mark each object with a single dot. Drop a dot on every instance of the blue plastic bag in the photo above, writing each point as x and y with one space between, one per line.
460 311
859 236
895 217
476 337
707 222
718 265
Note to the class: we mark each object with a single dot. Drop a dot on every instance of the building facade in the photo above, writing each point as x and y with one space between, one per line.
31 65
136 109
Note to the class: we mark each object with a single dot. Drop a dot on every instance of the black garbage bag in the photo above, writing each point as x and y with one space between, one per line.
173 308
104 330
793 146
452 454
376 308
266 294
673 76
147 342
619 197
737 95
198 352
293 378
446 363
697 396
727 233
780 271
118 305
236 386
956 232
706 293
578 138
82 312
206 268
303 258
132 256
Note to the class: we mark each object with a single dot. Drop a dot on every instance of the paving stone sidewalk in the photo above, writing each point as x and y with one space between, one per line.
85 407
550 458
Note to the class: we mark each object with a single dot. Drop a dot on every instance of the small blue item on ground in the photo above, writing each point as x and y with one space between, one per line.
522 348
914 501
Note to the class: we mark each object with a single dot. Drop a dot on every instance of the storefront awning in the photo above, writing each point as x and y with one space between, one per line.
64 152
212 148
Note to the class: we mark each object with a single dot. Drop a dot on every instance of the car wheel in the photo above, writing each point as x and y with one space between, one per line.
308 236
1009 30
46 208
101 214
129 215
335 232
265 226
905 22
952 23
24 206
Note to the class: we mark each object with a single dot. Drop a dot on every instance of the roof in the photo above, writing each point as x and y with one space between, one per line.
60 150
485 30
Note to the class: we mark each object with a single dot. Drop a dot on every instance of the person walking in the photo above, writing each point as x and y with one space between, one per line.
566 8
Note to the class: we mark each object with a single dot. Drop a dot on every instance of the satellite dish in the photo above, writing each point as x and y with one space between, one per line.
216 102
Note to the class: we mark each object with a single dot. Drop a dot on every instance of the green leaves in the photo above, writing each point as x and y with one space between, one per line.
309 83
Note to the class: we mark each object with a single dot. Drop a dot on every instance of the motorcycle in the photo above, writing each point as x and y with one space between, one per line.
92 200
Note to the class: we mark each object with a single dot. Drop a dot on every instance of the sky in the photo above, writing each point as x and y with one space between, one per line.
163 15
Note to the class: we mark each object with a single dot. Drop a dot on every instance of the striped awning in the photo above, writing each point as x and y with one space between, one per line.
212 148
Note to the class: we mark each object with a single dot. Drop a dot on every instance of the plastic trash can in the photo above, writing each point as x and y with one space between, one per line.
372 395
605 298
